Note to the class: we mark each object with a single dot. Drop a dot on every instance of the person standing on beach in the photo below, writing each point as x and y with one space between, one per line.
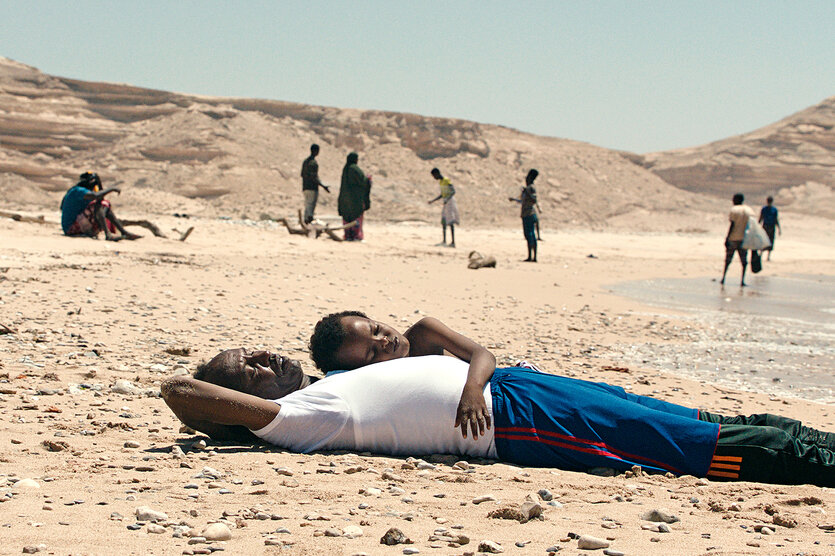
769 220
354 197
449 214
736 233
528 201
311 183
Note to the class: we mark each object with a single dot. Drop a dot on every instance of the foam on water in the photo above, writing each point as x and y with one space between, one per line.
775 336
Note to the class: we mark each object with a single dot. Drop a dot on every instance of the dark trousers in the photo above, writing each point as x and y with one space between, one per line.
529 229
771 449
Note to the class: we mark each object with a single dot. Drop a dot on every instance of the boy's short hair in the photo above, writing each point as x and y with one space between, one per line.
327 338
532 174
739 198
435 171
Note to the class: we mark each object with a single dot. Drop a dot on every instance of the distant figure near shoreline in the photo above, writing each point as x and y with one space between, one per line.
769 220
736 233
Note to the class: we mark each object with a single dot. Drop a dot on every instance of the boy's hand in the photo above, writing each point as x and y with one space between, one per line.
472 413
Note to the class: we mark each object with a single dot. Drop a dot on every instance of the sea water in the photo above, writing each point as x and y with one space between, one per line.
777 335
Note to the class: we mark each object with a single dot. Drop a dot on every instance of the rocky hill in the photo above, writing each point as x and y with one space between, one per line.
793 159
234 156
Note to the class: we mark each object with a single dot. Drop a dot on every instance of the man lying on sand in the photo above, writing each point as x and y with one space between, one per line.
407 406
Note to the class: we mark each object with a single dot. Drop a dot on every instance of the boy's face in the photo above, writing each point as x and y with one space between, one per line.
368 341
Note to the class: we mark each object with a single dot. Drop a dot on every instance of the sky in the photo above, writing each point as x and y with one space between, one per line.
634 75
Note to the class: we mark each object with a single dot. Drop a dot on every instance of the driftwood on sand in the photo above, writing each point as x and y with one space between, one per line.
145 224
314 230
155 229
23 218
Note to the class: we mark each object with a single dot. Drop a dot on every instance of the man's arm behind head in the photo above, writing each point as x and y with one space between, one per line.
219 412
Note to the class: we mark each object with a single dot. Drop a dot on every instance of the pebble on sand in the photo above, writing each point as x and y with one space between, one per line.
394 536
659 515
587 542
216 532
352 532
490 547
26 483
144 513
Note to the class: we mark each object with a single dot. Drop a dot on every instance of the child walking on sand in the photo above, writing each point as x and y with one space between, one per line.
349 340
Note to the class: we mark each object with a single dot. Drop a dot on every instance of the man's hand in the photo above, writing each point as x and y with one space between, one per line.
472 413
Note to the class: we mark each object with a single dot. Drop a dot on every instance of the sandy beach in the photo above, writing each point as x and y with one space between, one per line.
91 328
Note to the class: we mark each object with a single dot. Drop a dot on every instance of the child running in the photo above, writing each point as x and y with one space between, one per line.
349 340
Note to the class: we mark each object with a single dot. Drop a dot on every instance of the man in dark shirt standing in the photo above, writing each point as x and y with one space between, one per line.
311 183
769 220
528 201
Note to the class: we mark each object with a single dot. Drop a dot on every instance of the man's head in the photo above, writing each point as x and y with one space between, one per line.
353 158
348 340
531 176
770 200
739 198
259 373
436 174
90 180
314 149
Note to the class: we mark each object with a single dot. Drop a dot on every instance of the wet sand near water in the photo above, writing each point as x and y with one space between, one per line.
776 336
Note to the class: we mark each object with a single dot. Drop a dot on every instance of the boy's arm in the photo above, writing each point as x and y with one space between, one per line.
429 335
435 199
214 409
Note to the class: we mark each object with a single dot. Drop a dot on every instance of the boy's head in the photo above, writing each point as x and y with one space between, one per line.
314 149
739 198
770 200
436 174
349 339
531 176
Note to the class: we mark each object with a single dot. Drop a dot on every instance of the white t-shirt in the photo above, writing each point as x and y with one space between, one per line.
739 216
400 407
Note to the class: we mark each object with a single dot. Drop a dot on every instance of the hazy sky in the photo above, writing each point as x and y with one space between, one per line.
634 75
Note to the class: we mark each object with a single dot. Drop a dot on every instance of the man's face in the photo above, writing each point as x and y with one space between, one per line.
259 373
368 341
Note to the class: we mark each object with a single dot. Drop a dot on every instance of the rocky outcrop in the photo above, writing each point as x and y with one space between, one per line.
239 156
797 150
